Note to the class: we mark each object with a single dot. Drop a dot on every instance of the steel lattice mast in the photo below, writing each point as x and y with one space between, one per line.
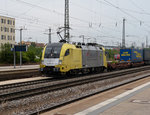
66 23
123 35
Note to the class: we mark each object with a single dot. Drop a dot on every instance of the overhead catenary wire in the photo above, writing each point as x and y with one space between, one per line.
108 3
123 11
84 21
137 6
62 13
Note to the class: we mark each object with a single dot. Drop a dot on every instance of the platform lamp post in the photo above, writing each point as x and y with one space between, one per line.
21 29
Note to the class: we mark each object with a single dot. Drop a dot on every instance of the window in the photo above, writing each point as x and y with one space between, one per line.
13 22
5 29
8 38
11 30
8 22
67 52
52 51
2 20
1 29
3 37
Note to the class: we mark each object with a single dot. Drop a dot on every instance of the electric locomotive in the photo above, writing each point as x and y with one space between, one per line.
73 59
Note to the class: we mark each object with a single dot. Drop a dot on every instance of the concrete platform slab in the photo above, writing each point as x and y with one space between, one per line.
24 67
21 80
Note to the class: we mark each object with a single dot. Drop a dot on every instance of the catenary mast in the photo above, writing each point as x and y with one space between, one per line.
66 23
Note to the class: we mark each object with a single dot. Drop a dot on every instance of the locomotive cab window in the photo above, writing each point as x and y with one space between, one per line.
52 51
67 52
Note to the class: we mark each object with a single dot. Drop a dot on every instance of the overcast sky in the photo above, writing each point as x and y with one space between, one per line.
100 19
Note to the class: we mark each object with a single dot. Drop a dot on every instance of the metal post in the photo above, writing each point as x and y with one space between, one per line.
49 35
14 58
146 41
21 45
123 34
82 36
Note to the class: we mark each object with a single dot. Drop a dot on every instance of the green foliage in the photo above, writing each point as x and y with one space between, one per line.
111 53
33 55
6 55
25 58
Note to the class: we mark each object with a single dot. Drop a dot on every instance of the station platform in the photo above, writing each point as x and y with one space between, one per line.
136 105
23 67
132 102
129 99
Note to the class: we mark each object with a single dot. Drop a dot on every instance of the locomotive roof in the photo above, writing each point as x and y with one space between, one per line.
55 44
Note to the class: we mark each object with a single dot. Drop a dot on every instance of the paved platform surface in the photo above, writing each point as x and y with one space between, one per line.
11 68
129 99
21 80
133 102
136 105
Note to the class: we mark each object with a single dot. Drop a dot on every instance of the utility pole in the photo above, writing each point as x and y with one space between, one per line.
123 34
146 41
82 36
21 45
49 35
66 23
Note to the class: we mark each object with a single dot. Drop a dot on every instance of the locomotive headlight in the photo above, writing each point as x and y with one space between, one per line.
60 62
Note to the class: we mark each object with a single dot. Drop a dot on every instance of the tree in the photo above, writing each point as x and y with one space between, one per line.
6 55
31 56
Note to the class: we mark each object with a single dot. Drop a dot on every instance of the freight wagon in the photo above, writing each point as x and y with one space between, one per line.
146 56
131 55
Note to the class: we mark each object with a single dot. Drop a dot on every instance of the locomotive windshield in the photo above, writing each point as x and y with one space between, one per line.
53 51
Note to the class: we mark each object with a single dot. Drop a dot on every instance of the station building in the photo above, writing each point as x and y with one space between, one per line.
7 30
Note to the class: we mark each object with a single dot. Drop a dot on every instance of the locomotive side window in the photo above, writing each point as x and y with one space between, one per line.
67 52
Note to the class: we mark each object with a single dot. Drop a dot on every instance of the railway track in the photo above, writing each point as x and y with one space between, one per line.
20 90
50 85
